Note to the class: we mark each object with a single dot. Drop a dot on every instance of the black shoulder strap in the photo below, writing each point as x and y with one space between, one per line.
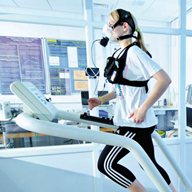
124 81
126 49
115 52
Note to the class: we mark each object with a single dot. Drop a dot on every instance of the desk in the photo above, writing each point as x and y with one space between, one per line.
17 139
166 118
21 135
12 132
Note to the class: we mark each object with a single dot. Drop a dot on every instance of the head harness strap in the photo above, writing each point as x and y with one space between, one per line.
125 16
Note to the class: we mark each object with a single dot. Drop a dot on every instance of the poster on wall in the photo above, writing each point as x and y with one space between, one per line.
67 63
21 59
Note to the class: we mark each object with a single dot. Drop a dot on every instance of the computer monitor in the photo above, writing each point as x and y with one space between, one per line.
189 116
85 97
103 109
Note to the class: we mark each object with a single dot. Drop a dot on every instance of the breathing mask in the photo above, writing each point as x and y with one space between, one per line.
124 16
106 35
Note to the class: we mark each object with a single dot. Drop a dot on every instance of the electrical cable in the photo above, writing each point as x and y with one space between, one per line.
92 51
93 62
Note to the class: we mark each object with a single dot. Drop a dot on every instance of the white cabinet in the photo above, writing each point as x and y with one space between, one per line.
167 121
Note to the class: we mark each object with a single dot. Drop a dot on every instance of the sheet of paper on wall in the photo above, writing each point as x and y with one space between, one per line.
54 61
79 75
72 57
81 85
64 75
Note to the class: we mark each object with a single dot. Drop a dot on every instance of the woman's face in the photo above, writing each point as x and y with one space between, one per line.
119 30
115 32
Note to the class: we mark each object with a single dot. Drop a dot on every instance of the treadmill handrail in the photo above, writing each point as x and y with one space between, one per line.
26 121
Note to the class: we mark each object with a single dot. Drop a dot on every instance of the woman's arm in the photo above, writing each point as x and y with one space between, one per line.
162 83
108 97
94 102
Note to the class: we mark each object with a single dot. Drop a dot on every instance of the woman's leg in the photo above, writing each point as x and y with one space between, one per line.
172 188
108 165
108 162
136 186
147 145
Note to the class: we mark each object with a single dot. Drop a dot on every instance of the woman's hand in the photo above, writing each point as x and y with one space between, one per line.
94 102
162 82
138 115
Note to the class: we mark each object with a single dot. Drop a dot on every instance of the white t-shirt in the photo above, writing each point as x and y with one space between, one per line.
139 67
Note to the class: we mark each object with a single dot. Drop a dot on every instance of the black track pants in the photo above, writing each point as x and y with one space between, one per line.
110 156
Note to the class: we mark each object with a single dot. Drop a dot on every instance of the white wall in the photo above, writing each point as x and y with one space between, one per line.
68 168
58 169
36 30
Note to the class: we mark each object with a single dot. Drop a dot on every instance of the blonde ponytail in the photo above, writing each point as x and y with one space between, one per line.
139 37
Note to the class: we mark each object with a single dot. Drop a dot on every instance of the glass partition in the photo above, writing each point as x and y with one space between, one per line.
57 71
188 87
165 51
189 15
64 59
